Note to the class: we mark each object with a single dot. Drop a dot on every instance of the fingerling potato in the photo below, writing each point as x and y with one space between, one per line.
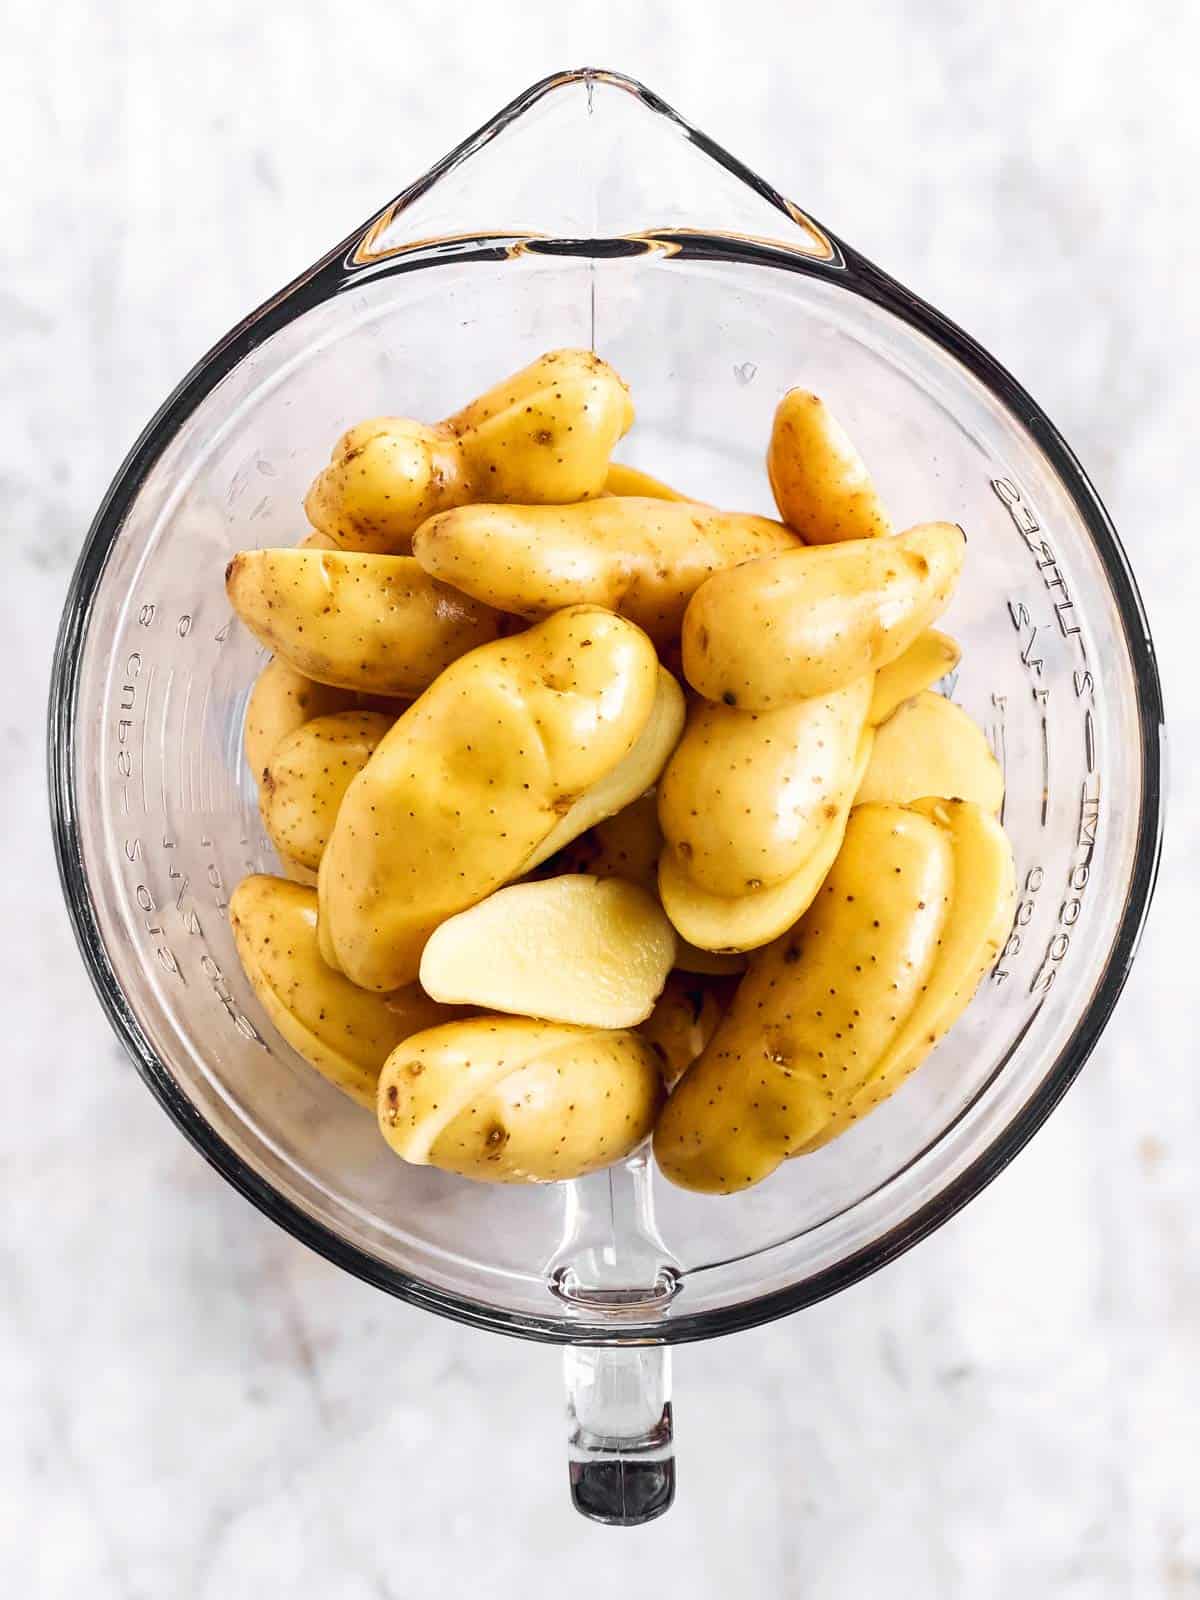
365 622
804 621
928 658
684 1019
281 701
930 746
305 780
623 480
819 480
507 1100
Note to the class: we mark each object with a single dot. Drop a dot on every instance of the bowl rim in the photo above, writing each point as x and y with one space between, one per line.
338 270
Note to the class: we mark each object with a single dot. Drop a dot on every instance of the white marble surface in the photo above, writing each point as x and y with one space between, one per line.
194 1407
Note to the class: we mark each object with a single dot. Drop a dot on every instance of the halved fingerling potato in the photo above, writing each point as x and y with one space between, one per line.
930 657
629 778
930 746
544 434
816 1010
342 1031
747 796
594 952
639 556
471 779
819 480
804 621
305 780
375 623
507 1100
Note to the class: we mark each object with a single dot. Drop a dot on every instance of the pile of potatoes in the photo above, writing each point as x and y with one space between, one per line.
542 898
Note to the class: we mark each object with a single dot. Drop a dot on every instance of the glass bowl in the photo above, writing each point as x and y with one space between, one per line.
588 213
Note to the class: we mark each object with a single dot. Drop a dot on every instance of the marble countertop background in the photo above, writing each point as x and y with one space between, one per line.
192 1406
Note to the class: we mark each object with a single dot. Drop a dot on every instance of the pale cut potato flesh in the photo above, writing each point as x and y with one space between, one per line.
745 922
930 747
593 952
638 556
307 777
342 1031
543 434
819 480
804 621
623 480
928 658
509 1100
748 795
629 778
471 779
376 623
816 1010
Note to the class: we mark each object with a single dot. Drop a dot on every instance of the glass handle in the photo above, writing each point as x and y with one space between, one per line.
621 1446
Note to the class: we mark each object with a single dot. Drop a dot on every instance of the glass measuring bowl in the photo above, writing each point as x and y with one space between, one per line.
587 213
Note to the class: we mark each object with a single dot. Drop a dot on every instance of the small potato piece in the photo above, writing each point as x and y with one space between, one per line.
315 540
805 621
281 701
297 872
472 778
629 778
929 657
590 951
745 922
544 434
507 1100
340 1030
748 795
623 480
930 746
818 478
817 1009
368 622
308 775
684 1020
640 557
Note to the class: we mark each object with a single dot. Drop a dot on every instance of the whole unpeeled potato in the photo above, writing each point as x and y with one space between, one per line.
507 1100
366 622
804 621
463 789
306 779
929 657
930 747
639 556
345 1033
819 480
543 434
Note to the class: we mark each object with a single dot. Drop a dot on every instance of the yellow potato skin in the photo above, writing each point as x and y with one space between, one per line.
684 1020
747 795
816 1009
929 657
804 621
641 557
365 622
343 1032
623 480
507 1100
542 435
472 777
930 747
819 480
281 701
305 780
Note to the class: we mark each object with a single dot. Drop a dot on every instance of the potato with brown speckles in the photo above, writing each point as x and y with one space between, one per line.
506 1100
805 621
305 780
819 480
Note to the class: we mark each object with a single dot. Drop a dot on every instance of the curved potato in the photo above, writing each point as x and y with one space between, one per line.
930 747
748 795
590 951
305 780
805 621
819 480
296 871
544 434
629 778
281 701
623 480
365 622
472 778
745 922
977 924
817 1009
343 1032
640 557
506 1100
314 539
929 657
684 1020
